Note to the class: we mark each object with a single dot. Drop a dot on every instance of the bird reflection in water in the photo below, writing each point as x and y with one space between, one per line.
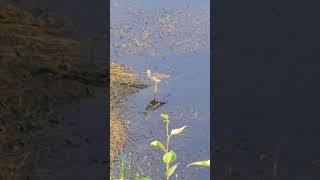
153 105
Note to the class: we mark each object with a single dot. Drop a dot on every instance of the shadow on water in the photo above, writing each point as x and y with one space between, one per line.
153 105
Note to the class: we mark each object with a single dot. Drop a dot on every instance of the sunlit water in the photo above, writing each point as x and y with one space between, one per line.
186 92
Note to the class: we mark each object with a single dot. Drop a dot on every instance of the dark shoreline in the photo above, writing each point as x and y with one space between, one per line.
40 69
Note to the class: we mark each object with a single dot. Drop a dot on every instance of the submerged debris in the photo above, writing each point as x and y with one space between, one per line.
159 34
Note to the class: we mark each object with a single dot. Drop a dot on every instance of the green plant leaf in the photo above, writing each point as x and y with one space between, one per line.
158 144
164 116
171 170
169 157
177 131
200 163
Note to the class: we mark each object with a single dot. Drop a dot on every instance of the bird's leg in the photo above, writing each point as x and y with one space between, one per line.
155 90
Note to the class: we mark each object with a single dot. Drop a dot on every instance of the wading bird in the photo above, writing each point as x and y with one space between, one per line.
156 77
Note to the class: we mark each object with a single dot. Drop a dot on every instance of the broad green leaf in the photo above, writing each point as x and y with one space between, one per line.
178 130
169 157
171 170
158 144
200 163
164 116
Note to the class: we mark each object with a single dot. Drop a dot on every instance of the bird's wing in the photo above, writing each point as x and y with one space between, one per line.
160 76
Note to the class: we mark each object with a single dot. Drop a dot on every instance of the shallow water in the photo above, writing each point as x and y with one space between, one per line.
187 102
186 94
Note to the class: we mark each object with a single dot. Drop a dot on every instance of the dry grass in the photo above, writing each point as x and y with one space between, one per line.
118 135
120 78
120 74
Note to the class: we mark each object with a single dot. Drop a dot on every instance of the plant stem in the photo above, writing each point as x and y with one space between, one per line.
167 146
122 169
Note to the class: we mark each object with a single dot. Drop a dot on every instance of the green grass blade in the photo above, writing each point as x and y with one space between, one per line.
144 178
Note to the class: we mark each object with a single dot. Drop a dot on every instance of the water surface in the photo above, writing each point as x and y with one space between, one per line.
186 93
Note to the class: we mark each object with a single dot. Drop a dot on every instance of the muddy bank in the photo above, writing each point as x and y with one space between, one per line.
122 84
40 69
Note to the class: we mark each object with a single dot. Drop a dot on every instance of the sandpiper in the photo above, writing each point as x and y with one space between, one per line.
156 77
